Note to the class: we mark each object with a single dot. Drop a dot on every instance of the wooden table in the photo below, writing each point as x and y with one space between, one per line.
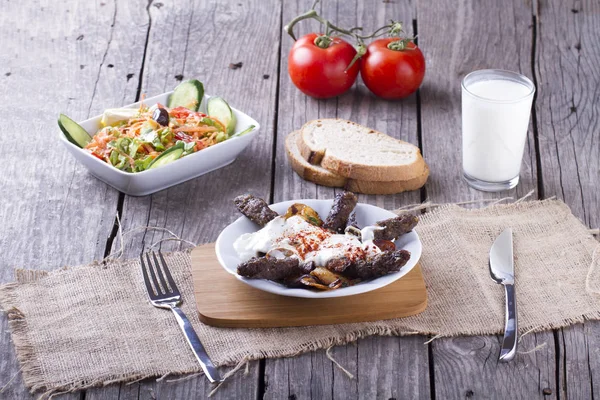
81 57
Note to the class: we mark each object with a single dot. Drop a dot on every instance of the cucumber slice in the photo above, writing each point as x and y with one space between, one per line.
73 131
242 133
187 94
218 108
168 156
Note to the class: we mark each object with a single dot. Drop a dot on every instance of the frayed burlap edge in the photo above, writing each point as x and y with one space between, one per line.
30 369
18 328
27 358
430 210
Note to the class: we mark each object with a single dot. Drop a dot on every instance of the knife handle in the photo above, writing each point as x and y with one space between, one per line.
509 343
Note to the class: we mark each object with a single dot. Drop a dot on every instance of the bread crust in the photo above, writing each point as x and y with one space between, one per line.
307 171
392 187
326 178
381 173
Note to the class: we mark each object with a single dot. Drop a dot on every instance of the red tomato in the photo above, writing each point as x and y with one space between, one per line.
321 72
392 74
180 112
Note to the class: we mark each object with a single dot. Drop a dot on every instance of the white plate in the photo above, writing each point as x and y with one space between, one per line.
153 180
365 215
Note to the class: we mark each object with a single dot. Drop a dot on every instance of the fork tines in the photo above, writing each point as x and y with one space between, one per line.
157 277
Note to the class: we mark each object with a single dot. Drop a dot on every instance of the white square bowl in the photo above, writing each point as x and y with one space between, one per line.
186 168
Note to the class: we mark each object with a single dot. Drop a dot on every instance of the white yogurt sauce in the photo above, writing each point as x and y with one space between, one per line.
309 242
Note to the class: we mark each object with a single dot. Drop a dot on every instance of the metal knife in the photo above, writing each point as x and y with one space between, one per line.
502 270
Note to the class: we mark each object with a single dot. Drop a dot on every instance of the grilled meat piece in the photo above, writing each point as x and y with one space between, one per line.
396 226
352 221
338 265
343 204
256 209
382 264
274 269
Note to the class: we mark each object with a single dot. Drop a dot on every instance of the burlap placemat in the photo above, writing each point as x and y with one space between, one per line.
92 325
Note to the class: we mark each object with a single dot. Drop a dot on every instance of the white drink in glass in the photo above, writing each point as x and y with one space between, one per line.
496 106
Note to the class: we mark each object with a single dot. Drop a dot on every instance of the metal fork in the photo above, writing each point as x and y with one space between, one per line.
168 296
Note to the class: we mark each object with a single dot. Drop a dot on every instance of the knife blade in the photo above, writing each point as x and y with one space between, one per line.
502 270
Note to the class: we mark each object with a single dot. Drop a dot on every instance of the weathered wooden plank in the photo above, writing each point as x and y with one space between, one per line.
307 376
393 368
579 360
592 341
468 367
243 386
477 35
199 39
124 392
383 368
568 83
485 35
313 375
199 209
398 119
53 212
578 345
567 74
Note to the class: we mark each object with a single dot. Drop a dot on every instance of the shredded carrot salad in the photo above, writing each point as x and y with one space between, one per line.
133 138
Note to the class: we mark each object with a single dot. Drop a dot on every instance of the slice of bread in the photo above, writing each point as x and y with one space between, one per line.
392 187
324 177
355 151
313 173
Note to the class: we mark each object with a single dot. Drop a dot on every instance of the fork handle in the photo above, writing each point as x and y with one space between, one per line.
194 341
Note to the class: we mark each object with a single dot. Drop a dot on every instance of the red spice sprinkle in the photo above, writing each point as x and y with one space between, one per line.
310 241
306 242
355 253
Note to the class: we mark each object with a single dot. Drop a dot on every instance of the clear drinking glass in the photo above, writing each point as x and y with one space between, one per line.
496 106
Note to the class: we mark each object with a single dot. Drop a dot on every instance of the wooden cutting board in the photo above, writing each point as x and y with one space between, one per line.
224 301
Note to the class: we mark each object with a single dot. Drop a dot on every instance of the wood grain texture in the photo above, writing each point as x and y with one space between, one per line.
287 378
199 39
81 57
242 386
484 35
53 212
224 301
568 82
382 368
476 35
393 369
184 42
306 376
578 343
398 119
468 367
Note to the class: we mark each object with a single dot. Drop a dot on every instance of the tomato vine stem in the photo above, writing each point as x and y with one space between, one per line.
394 28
